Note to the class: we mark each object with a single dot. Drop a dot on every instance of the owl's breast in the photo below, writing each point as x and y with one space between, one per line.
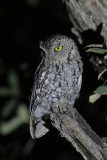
60 82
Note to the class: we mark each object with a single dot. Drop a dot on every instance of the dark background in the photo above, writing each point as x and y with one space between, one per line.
23 23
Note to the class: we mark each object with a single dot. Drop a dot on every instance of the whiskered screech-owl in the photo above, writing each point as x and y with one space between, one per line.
57 81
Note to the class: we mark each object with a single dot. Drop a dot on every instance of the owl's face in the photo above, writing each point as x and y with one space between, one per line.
58 48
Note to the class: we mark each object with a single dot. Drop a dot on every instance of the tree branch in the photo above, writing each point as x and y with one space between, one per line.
89 15
75 129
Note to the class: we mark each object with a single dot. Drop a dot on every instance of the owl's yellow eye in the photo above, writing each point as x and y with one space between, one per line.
58 48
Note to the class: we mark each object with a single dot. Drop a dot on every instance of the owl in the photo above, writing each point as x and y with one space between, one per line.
57 81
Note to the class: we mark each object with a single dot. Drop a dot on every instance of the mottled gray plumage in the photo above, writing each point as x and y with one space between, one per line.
57 81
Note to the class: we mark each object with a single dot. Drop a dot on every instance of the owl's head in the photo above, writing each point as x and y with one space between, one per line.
59 48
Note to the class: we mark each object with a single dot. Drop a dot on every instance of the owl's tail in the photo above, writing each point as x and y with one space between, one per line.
38 129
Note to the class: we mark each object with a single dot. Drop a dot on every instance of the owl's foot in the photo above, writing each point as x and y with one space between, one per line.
62 107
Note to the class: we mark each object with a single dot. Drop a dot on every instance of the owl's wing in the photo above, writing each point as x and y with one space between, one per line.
32 101
38 74
37 128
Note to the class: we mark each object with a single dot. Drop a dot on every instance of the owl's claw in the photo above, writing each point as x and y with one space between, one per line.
61 107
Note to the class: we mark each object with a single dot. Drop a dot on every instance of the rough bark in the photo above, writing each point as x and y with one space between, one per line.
89 15
76 130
